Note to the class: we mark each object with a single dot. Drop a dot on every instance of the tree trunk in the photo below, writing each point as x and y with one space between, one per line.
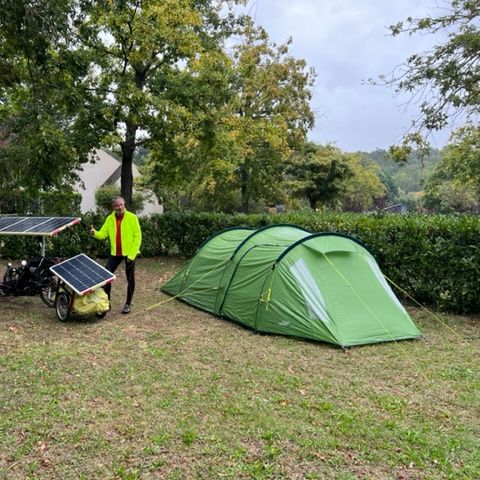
313 203
245 184
128 148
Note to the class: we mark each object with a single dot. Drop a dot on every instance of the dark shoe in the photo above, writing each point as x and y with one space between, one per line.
126 308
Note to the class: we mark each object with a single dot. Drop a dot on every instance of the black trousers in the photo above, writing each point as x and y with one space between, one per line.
112 264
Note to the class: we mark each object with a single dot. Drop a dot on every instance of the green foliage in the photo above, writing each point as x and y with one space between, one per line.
454 185
270 115
412 142
64 203
402 178
363 187
445 195
391 188
435 259
335 179
50 119
76 74
230 157
447 77
105 194
144 55
318 173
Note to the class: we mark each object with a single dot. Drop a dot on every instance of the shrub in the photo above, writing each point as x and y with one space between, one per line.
104 195
435 259
63 203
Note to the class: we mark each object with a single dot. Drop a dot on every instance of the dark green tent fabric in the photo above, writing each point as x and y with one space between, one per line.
282 279
199 277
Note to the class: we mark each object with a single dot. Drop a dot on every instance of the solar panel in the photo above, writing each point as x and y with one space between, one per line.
43 226
82 274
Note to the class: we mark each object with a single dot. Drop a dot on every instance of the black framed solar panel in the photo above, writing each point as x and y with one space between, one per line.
43 226
82 274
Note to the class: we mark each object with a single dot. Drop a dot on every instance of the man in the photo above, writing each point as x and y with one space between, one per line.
123 230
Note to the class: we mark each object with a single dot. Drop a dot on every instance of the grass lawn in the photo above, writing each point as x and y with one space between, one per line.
175 393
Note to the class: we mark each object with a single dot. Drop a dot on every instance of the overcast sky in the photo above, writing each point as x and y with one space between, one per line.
348 42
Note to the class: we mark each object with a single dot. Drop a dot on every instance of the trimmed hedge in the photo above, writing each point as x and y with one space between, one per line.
436 259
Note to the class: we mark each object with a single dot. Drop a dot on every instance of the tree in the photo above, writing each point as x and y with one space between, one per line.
318 173
454 184
50 121
109 67
447 78
363 186
269 114
391 190
260 113
144 50
462 156
197 170
450 196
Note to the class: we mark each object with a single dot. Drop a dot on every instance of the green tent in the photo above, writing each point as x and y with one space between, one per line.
285 280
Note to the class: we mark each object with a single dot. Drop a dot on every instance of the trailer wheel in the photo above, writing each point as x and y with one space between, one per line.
47 293
62 306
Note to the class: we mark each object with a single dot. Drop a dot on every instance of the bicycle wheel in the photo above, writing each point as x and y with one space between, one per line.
62 306
47 293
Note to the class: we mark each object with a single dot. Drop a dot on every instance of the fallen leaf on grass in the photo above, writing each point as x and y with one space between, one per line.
41 446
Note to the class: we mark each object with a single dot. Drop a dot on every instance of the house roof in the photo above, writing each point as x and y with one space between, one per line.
104 169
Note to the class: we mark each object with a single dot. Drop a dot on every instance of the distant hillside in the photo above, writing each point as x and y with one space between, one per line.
407 177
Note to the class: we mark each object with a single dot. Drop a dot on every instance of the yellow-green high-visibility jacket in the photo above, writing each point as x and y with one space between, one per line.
130 233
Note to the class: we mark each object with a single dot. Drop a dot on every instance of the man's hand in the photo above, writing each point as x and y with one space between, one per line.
92 230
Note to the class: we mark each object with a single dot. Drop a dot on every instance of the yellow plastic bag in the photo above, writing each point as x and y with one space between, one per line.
91 304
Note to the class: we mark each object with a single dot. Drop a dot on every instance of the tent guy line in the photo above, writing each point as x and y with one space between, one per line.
436 317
